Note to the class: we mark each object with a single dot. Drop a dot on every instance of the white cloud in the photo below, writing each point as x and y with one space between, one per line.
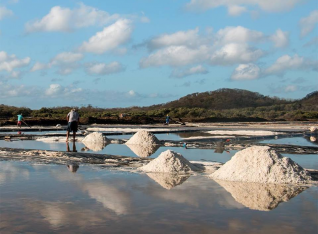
187 38
66 19
238 34
57 90
235 10
104 69
10 62
8 91
312 42
290 88
110 38
246 72
308 24
67 57
175 56
188 72
4 12
280 38
40 66
235 53
286 63
268 5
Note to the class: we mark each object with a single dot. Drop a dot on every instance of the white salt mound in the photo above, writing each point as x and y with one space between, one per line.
95 141
95 137
261 164
143 137
313 129
169 162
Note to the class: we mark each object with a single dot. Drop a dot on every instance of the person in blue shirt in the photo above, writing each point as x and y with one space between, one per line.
20 117
167 119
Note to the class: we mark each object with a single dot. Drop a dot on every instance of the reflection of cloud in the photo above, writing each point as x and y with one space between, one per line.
111 197
143 151
167 180
264 197
58 214
9 171
194 191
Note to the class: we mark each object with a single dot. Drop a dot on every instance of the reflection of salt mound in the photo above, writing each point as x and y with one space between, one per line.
143 137
313 139
95 141
143 150
260 164
258 196
167 180
169 162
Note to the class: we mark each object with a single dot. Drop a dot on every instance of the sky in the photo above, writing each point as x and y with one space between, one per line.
142 52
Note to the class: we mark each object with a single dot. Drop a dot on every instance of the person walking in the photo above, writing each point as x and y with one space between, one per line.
73 121
20 117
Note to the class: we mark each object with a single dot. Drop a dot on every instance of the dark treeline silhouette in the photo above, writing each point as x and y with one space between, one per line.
219 105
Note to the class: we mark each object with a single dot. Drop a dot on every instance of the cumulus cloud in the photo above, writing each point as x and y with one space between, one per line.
57 90
187 38
235 10
4 12
268 5
175 56
9 91
235 53
246 72
308 24
110 38
238 34
67 57
10 62
190 71
66 19
280 38
104 69
40 66
286 62
290 88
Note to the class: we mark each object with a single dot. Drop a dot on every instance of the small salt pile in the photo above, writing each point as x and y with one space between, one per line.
143 137
313 129
95 141
261 164
169 162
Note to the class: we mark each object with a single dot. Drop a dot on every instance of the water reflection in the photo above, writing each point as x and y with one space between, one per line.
68 147
167 180
98 201
73 167
143 151
94 146
263 197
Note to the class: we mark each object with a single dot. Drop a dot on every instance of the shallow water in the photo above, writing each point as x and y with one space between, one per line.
34 133
51 199
290 141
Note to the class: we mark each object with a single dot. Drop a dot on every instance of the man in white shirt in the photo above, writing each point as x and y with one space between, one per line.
73 121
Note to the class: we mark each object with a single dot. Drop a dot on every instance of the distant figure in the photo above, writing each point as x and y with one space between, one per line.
20 117
68 147
73 121
167 119
185 145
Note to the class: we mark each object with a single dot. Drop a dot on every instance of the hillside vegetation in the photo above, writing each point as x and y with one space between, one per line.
219 105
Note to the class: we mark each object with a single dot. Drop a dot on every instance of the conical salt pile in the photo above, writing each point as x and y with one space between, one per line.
169 162
95 141
143 137
256 196
261 164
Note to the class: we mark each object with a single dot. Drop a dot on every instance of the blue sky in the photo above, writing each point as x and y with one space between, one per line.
143 52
